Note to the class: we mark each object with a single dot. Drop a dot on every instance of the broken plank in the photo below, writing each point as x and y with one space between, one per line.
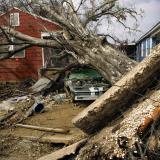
54 130
66 151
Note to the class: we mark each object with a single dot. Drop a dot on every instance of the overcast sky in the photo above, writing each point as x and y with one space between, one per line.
151 16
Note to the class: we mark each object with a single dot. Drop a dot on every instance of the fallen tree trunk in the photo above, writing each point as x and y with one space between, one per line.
121 140
112 63
54 130
116 98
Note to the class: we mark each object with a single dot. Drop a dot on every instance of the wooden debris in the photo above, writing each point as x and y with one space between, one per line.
7 116
54 130
149 121
57 139
95 116
62 153
106 140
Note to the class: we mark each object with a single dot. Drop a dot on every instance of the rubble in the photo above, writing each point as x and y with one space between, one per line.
10 90
9 104
17 105
41 85
52 119
128 120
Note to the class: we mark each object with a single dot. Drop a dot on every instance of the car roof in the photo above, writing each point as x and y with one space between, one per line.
84 73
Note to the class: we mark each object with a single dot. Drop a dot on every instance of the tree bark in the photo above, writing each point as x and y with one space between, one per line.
111 63
120 139
116 98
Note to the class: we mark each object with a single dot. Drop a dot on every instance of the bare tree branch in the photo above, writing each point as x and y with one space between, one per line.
29 39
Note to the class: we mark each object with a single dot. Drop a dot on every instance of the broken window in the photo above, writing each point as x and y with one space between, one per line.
20 54
5 48
14 19
55 57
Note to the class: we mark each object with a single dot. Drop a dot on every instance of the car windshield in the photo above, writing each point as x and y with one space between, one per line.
82 74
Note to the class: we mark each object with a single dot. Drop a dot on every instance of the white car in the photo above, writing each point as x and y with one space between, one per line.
85 84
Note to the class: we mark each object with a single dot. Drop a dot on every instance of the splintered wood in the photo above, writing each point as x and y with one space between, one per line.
110 138
150 120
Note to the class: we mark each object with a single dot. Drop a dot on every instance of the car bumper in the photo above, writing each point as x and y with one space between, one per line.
85 97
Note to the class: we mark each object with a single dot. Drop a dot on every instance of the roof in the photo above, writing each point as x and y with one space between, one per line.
151 31
32 14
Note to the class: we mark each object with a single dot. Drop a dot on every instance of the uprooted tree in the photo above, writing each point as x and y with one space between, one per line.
86 46
78 21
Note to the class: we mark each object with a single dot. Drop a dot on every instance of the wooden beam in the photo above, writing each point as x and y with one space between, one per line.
54 130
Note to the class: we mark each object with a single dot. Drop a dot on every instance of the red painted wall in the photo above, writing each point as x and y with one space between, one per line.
17 69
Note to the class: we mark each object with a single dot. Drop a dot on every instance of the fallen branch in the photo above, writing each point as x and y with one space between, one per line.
54 130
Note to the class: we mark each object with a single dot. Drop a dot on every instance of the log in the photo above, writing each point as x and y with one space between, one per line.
66 151
121 136
69 139
54 130
100 112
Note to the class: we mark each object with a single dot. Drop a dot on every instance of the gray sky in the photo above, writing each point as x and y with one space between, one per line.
151 16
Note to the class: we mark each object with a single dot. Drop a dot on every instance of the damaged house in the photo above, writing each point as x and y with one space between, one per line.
147 42
142 47
26 63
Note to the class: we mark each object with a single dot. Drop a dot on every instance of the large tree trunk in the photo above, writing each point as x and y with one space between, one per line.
121 139
116 99
109 61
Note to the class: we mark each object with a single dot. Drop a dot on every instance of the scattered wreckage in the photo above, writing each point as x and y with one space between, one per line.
85 84
122 124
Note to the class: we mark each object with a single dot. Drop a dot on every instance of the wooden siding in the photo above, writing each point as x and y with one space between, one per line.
17 69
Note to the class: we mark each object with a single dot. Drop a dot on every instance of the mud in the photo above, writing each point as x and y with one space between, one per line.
56 116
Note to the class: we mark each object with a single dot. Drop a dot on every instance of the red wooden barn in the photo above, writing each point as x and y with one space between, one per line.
27 63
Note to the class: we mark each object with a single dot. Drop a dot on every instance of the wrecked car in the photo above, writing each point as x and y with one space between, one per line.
85 84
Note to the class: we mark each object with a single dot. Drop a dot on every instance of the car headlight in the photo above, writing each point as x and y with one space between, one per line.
78 83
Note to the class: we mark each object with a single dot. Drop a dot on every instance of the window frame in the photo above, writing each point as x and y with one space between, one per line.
18 19
11 48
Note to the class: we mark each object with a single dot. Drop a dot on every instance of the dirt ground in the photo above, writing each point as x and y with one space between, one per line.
13 145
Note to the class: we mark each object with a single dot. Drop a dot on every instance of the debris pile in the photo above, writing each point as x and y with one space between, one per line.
15 110
41 123
122 124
